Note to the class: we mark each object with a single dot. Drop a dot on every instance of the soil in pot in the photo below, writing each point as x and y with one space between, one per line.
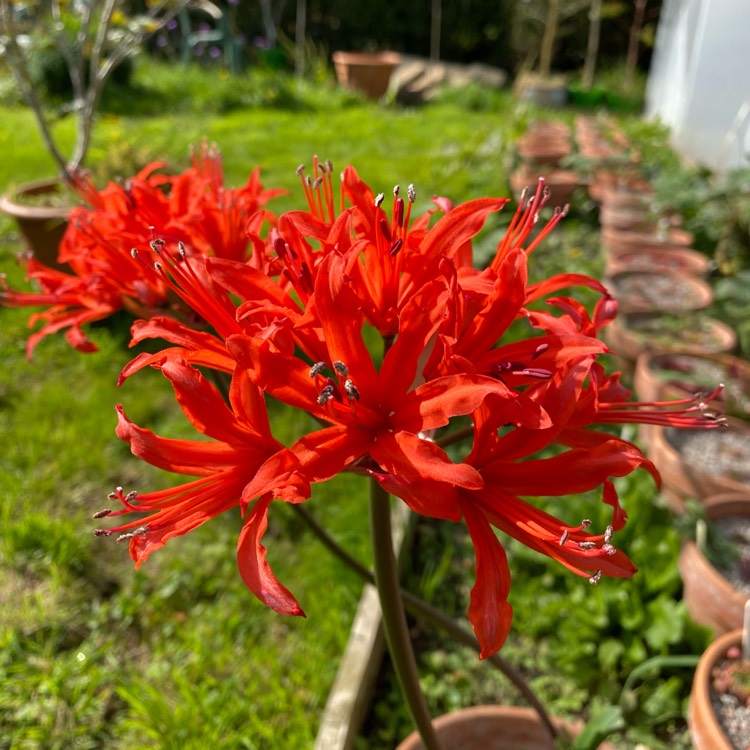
700 463
665 292
730 697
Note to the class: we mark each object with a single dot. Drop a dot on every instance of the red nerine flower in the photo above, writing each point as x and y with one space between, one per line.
241 441
293 322
373 415
190 213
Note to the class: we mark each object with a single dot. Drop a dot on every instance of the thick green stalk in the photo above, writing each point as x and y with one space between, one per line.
426 611
394 618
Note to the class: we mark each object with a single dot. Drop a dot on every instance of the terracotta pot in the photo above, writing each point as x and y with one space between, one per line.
705 730
667 376
679 374
697 464
561 183
676 293
630 217
628 193
711 598
631 335
618 241
549 128
671 260
368 73
41 227
492 728
539 150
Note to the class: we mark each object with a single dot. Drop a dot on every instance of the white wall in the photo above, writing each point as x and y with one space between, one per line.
699 83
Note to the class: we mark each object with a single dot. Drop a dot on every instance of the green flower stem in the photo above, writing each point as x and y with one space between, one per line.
431 614
394 618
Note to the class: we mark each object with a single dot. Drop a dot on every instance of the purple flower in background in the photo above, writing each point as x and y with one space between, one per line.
171 24
214 53
162 41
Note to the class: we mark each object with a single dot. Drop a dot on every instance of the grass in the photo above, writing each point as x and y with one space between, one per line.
179 654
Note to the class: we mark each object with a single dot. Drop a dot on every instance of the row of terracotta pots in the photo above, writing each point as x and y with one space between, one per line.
541 150
649 263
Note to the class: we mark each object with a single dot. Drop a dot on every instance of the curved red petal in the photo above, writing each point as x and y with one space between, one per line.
489 611
193 457
202 403
405 454
254 567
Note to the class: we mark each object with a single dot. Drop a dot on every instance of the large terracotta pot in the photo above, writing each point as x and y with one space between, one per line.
542 150
631 335
705 730
369 73
561 183
42 227
618 241
640 291
492 728
670 260
697 464
711 598
667 376
682 373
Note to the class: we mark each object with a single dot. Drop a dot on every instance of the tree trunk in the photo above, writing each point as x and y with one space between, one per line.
300 26
631 60
435 24
592 49
548 40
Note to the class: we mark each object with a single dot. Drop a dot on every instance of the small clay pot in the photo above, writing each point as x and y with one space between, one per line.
637 291
561 183
670 260
712 599
42 227
631 335
722 450
369 73
618 241
493 728
690 376
705 729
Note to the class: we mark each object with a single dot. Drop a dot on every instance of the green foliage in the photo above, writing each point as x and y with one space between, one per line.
732 305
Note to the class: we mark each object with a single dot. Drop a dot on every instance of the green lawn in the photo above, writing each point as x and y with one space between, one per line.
179 654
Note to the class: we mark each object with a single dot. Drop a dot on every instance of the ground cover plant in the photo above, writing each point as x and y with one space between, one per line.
179 655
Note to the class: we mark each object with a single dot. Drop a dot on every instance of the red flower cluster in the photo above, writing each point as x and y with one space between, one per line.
294 322
150 211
